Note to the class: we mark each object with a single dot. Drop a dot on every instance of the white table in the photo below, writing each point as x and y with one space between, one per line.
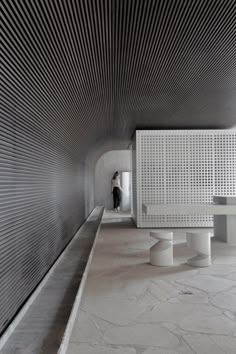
224 211
189 209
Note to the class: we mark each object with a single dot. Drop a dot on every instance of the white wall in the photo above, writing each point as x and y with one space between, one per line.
115 160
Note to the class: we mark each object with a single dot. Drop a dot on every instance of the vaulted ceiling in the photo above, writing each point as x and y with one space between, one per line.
90 72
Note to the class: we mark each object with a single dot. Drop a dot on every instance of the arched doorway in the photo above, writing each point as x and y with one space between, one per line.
107 164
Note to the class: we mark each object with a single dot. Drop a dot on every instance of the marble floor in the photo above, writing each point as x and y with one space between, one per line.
131 307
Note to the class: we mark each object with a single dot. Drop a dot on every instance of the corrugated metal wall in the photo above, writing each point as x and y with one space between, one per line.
42 183
41 207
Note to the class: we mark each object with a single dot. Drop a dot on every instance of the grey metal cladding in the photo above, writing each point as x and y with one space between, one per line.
41 207
98 69
77 75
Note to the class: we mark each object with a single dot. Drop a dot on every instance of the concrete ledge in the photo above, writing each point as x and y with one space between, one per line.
189 209
65 341
70 275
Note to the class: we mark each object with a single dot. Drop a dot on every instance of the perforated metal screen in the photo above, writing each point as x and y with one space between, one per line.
183 167
134 180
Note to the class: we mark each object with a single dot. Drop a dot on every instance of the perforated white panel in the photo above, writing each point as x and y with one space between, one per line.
183 167
134 180
225 164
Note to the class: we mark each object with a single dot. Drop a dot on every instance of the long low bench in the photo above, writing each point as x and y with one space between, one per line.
189 209
224 215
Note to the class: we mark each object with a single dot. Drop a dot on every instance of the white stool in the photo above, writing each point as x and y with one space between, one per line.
161 254
201 244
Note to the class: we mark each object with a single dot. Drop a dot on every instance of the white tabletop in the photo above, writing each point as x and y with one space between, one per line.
186 209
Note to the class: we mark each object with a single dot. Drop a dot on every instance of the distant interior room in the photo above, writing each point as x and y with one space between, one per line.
106 166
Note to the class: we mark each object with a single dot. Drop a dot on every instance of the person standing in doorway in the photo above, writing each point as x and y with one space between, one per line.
116 191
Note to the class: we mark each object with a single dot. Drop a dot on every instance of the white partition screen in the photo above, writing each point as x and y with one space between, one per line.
182 167
134 181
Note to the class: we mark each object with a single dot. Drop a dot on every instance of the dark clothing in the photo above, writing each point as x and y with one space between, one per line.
116 197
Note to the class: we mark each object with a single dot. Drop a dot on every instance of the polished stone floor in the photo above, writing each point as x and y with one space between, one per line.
131 307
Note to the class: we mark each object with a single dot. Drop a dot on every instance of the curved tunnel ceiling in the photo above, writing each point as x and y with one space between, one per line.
90 72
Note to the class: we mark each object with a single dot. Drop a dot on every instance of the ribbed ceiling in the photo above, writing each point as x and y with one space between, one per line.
92 71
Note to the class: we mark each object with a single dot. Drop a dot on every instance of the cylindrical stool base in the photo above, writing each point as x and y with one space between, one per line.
201 244
161 254
200 261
